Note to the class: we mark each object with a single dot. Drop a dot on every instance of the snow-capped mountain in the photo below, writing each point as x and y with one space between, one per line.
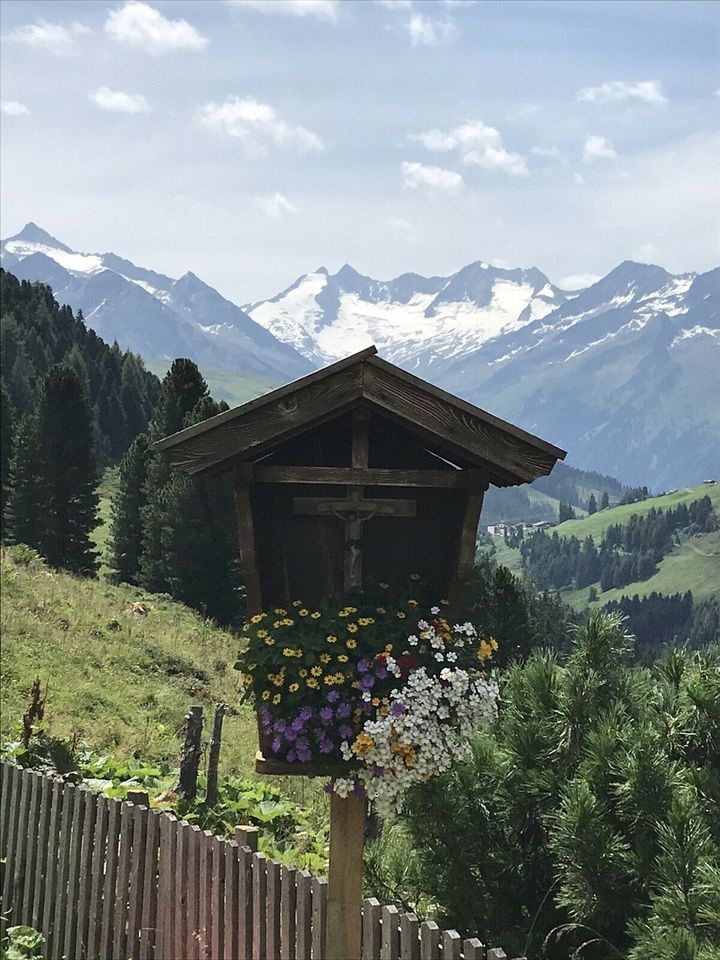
145 311
623 374
414 321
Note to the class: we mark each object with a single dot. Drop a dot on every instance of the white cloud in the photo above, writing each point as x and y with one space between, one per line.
409 232
257 125
550 153
429 32
615 91
12 108
55 37
479 145
142 26
578 281
598 148
118 102
436 179
394 4
328 10
276 205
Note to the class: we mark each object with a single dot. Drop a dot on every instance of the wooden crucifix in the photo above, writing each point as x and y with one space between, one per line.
354 509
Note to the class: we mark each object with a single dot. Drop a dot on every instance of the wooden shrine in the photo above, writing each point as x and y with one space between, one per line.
354 474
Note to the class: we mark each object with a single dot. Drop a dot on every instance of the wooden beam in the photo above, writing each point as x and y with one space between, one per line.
364 476
314 506
347 828
248 559
466 550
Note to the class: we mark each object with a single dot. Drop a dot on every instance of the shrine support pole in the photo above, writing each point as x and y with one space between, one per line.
347 830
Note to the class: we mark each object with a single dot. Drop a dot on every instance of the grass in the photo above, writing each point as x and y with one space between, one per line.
234 387
596 525
101 535
117 680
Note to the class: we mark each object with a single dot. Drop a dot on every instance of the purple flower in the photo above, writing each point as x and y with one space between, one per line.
378 771
291 757
343 711
302 744
397 709
367 681
298 724
333 696
304 756
359 790
326 715
276 744
279 726
291 734
326 746
381 672
345 731
305 713
363 666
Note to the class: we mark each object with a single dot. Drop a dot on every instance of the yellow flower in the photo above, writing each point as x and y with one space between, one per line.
493 643
412 603
246 627
315 615
380 610
316 671
297 603
366 621
277 624
262 633
257 618
375 701
294 687
351 609
363 745
400 615
303 612
388 648
269 641
277 698
411 759
287 652
287 622
352 628
445 603
303 672
342 658
383 586
324 658
279 611
265 695
351 644
331 639
312 682
414 576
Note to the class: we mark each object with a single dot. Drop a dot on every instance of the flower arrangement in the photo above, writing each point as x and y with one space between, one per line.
389 689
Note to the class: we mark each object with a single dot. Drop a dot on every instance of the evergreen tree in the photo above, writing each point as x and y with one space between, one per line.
126 535
67 474
7 432
592 505
182 389
604 500
22 516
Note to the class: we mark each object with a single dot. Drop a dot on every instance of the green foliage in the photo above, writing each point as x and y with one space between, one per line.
22 943
126 510
594 802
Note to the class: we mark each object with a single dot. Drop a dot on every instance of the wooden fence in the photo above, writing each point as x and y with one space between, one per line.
106 879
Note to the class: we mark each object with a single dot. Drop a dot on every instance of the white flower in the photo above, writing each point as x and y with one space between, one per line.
439 657
452 657
435 610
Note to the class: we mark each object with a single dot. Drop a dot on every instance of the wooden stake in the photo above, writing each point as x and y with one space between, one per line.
347 828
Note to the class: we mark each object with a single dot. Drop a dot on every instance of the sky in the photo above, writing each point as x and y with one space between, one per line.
252 141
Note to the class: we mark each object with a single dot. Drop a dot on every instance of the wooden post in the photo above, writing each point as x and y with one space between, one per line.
347 827
214 755
190 754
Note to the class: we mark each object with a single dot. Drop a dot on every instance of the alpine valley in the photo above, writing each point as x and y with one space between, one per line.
624 374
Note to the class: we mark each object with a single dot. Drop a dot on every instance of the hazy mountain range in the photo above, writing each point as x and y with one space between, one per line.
624 374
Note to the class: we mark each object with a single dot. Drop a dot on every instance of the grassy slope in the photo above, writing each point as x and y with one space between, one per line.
226 385
121 690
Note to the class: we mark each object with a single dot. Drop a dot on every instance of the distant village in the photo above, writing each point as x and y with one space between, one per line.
518 529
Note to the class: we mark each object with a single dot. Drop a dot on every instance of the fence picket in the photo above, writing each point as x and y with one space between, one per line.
195 839
107 924
319 917
232 875
13 817
390 945
429 940
217 938
409 937
73 889
31 848
304 916
43 835
182 928
259 883
473 949
166 947
371 932
496 953
287 913
18 869
272 913
148 924
50 893
99 858
85 874
56 936
6 777
136 886
122 886
451 945
245 903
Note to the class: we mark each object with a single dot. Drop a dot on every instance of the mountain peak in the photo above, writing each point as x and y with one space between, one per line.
32 233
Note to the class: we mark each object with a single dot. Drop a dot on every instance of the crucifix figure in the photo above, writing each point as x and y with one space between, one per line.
354 509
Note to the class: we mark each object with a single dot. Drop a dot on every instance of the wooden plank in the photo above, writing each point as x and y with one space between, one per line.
320 920
14 787
272 915
99 857
44 841
137 863
451 945
122 936
247 836
181 925
473 949
303 924
85 874
194 841
259 881
248 555
148 925
287 913
409 937
496 953
166 889
232 876
429 940
369 476
390 944
245 902
324 506
74 863
371 929
6 776
56 936
107 922
21 837
347 832
467 547
205 915
31 847
217 936
50 883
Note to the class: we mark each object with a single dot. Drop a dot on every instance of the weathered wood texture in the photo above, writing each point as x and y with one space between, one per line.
104 879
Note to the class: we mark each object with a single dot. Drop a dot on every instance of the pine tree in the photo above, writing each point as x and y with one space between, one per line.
182 389
604 500
7 431
22 516
67 473
126 524
592 505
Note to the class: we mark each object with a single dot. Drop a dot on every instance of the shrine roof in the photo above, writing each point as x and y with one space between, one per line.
509 454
